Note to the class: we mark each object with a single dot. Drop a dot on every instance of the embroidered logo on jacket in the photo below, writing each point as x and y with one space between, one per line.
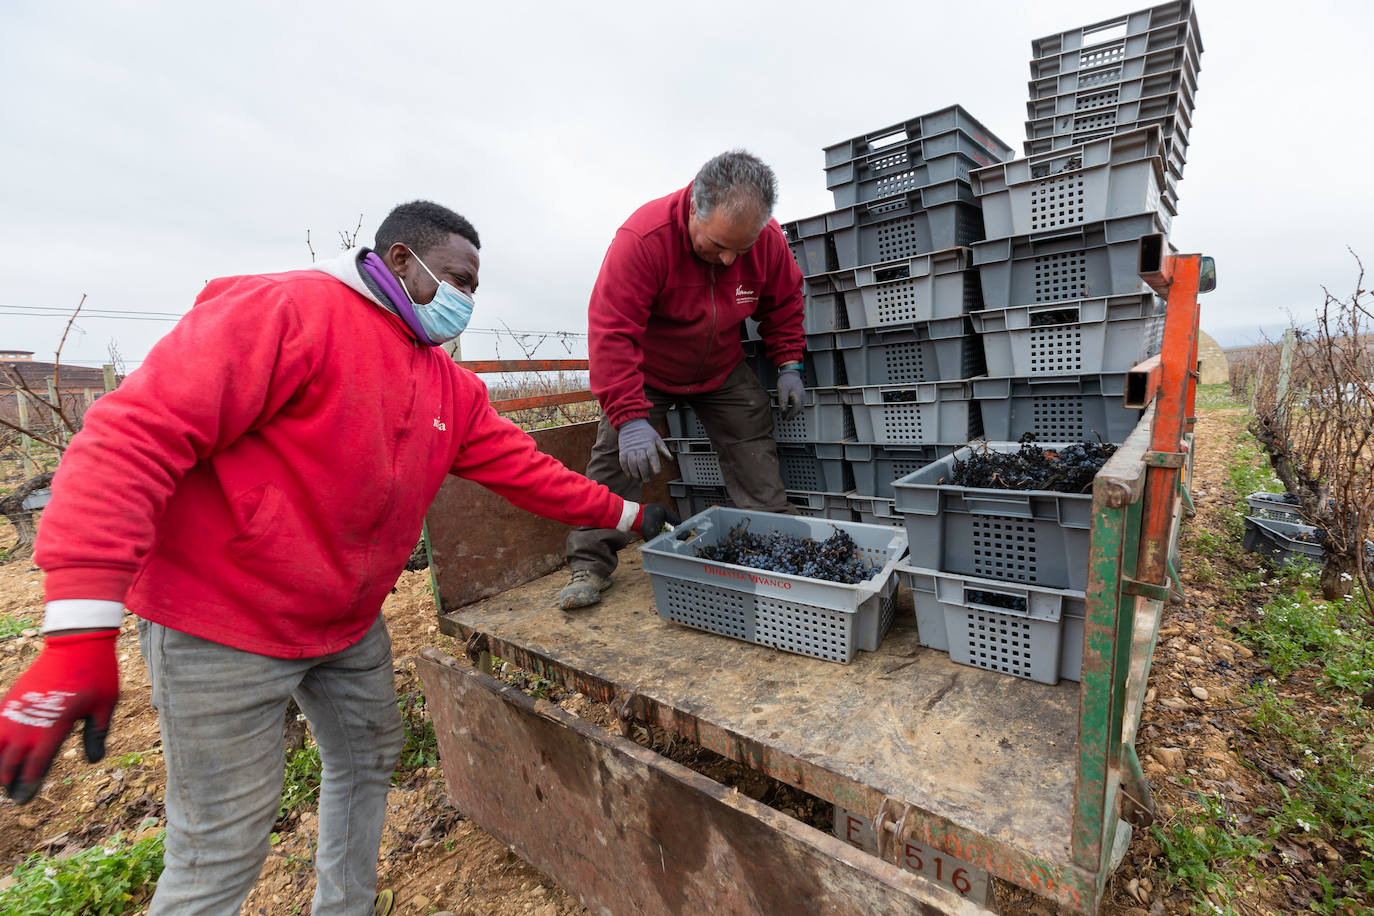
744 296
439 424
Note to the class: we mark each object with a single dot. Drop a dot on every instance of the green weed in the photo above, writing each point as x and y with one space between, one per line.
421 747
108 880
11 627
1248 472
1298 628
1332 796
301 787
1216 397
1205 851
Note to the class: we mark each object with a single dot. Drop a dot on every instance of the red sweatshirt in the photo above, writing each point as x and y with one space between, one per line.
262 478
662 316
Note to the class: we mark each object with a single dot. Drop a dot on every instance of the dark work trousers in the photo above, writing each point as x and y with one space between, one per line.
738 418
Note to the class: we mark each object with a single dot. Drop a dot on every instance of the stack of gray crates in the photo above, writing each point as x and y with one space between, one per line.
890 352
997 576
1065 312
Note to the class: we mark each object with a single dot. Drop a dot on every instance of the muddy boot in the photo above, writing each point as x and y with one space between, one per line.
382 905
583 588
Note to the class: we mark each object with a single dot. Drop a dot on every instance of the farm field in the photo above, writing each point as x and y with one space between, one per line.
1254 739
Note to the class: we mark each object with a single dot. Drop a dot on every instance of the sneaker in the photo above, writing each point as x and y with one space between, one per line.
382 905
583 588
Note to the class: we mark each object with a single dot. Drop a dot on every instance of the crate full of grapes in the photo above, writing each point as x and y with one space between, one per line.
1015 511
806 585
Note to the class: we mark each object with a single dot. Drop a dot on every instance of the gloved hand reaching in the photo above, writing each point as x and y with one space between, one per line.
76 676
791 393
651 519
640 448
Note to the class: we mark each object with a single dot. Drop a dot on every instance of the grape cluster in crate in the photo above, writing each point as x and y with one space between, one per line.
969 320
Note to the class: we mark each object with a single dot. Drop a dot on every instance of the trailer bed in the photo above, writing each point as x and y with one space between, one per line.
988 753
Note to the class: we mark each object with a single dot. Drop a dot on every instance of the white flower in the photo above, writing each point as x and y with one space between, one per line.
1304 825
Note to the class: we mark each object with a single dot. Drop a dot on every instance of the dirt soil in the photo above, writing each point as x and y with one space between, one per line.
435 859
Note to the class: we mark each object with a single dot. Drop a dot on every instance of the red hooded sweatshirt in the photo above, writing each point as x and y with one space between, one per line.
262 478
661 316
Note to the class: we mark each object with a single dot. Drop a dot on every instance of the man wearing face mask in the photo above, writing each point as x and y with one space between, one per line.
251 493
681 276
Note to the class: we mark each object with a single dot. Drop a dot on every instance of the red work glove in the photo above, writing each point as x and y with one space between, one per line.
75 677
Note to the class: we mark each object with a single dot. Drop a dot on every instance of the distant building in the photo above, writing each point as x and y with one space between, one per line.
16 356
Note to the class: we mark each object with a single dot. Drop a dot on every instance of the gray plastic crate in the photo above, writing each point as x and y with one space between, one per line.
1120 175
1036 537
1114 73
934 124
1025 631
1048 99
926 351
1174 118
1274 507
905 169
872 510
1055 409
874 467
1085 262
1281 541
921 413
896 293
933 218
1175 146
824 418
692 498
1178 44
799 465
1109 334
828 620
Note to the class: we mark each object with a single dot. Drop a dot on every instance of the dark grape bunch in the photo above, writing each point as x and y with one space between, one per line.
1066 470
835 559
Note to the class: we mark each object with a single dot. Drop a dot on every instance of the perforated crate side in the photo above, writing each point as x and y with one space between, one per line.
1065 409
1281 541
1048 99
1110 334
1169 112
927 351
1152 64
933 124
1273 506
1091 261
825 418
1025 632
808 616
1176 45
803 469
899 171
1120 175
933 286
1033 537
875 467
932 219
921 413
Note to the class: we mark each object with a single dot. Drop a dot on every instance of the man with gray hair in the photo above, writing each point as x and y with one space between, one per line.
679 279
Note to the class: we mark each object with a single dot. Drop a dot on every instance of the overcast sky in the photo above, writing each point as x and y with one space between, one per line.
148 147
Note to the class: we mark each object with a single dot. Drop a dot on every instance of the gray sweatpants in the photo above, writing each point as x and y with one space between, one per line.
738 418
221 712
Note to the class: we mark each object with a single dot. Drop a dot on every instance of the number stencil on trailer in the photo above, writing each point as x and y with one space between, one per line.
932 864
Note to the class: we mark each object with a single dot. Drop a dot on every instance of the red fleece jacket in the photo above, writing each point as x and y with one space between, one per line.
262 478
661 316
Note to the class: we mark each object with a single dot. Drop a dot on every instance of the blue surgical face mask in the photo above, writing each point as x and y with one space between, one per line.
446 315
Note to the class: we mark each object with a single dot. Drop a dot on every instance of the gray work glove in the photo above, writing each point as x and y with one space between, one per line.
791 393
640 447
